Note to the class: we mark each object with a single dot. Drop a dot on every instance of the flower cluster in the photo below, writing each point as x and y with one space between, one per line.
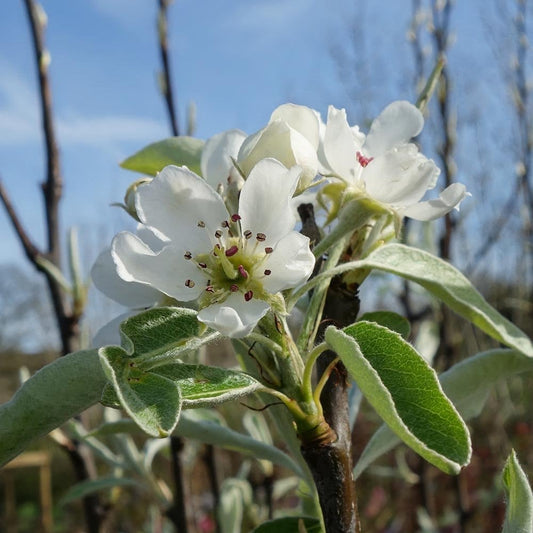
227 239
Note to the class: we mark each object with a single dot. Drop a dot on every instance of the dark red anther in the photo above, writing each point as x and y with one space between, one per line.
242 271
210 288
248 295
232 251
234 288
202 265
269 250
363 161
235 217
261 237
267 272
218 234
187 255
247 234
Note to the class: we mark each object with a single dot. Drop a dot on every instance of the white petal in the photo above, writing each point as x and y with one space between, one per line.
301 118
400 177
235 317
264 204
449 199
173 204
339 146
397 124
167 270
290 264
128 293
216 164
150 238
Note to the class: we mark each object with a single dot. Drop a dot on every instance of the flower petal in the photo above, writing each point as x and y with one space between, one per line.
216 164
290 264
264 204
109 334
175 201
235 317
397 124
400 177
448 199
168 271
301 118
128 293
339 146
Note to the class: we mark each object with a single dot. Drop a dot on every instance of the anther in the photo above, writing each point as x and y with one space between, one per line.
269 250
248 295
232 251
202 265
225 224
201 224
218 234
267 272
189 283
247 234
235 217
187 255
242 271
234 288
210 288
261 237
363 161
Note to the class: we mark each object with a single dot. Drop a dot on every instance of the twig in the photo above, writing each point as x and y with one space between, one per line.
168 93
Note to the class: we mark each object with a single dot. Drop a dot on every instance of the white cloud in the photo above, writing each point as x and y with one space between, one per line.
20 120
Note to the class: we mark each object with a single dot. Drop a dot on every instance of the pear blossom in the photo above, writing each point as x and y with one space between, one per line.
232 264
291 136
384 165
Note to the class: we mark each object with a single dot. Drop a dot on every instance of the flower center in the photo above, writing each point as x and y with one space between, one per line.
233 264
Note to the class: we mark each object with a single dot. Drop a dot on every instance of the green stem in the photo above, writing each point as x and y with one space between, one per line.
322 382
268 343
309 364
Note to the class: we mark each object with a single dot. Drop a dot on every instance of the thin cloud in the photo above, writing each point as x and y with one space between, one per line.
20 120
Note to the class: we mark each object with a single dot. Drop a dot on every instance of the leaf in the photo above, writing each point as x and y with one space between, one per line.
290 524
153 401
390 320
172 151
405 392
203 385
162 331
48 399
448 284
235 497
84 488
467 384
519 514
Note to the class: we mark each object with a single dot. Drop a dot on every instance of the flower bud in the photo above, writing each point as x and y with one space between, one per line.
129 197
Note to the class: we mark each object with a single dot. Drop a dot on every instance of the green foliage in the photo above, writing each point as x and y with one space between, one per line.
390 320
405 392
235 496
290 524
172 151
85 488
519 515
48 399
467 384
448 284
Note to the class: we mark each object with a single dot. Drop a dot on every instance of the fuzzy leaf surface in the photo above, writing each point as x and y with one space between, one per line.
405 392
519 514
48 399
467 384
448 284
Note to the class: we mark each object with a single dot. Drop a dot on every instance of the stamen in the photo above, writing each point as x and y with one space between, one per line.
225 224
235 217
269 250
218 234
248 295
261 237
210 288
202 265
189 283
187 255
242 271
234 288
201 224
247 234
267 272
232 251
363 161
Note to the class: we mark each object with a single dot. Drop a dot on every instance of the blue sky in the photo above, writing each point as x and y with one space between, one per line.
237 60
